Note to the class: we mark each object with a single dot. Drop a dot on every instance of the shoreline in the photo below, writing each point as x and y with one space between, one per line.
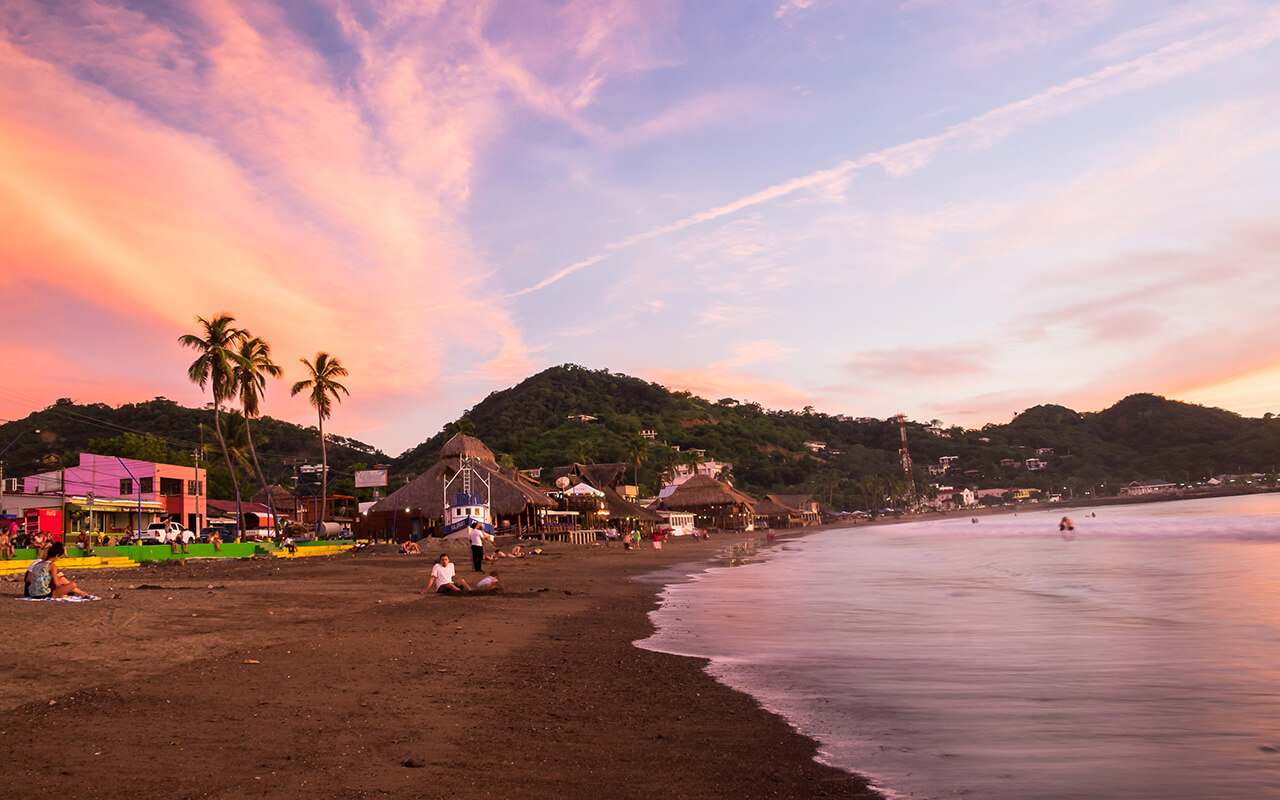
333 677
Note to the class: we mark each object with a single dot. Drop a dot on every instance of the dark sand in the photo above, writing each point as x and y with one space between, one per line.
332 677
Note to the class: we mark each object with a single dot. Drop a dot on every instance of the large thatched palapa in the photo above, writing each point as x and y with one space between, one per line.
420 503
713 504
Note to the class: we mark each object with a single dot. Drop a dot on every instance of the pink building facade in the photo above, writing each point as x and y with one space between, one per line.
124 492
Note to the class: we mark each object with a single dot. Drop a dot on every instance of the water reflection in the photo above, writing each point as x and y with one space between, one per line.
1000 661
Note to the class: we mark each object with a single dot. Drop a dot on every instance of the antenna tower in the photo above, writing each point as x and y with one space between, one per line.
901 419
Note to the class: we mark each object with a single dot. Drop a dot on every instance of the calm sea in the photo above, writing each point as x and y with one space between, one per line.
999 660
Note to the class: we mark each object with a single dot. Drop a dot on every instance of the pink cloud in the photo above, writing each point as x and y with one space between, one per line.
713 384
223 167
908 364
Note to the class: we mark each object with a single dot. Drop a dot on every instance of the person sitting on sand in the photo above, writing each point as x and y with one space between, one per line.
44 580
489 584
410 549
442 578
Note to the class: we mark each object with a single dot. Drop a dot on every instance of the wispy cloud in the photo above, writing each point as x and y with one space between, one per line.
907 364
713 385
218 156
986 130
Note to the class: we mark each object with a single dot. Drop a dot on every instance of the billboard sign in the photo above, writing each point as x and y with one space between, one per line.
367 478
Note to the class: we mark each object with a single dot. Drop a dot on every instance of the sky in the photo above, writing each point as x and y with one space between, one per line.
952 210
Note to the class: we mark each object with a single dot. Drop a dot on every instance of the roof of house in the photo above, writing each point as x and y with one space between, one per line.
770 508
704 490
229 506
507 495
792 501
622 508
462 445
598 475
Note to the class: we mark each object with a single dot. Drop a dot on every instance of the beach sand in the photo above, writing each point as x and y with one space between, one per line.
333 677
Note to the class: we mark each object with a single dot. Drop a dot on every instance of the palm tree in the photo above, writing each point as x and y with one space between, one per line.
324 388
637 452
251 379
215 367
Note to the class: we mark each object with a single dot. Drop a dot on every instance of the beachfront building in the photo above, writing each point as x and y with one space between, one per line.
108 494
255 518
611 505
709 468
1140 488
715 505
787 511
417 508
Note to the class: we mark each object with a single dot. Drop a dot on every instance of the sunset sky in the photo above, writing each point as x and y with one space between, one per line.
949 209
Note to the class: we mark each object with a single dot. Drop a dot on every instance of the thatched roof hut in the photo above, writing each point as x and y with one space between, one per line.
597 475
510 497
714 504
605 478
464 446
620 507
425 493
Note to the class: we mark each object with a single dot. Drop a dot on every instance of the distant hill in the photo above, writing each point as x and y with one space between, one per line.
162 430
569 413
537 424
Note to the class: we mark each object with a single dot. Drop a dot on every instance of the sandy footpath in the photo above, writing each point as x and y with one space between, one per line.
333 677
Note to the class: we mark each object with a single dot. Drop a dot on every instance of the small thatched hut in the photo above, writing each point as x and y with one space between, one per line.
416 508
713 504
788 510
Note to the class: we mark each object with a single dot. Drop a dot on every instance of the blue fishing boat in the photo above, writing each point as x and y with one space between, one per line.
466 495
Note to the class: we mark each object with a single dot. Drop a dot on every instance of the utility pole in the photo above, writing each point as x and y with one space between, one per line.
195 459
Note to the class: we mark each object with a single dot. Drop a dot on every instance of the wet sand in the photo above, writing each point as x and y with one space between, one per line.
333 677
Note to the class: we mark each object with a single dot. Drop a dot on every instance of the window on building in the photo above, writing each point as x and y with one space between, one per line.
126 487
170 487
193 488
145 485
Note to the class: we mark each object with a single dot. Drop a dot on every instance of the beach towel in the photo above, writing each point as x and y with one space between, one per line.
71 599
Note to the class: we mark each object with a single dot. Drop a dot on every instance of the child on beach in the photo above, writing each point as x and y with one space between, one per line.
489 584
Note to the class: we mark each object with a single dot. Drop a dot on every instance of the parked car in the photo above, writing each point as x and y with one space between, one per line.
225 534
165 533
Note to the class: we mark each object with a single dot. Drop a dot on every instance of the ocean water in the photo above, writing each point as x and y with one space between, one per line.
1137 658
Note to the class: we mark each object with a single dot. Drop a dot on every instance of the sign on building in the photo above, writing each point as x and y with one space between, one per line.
367 478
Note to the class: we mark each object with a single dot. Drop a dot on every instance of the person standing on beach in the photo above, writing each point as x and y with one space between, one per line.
477 535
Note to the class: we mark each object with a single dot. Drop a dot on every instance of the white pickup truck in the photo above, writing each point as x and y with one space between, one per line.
165 533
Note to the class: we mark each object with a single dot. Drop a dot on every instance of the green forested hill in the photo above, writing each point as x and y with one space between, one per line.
161 430
534 424
1141 437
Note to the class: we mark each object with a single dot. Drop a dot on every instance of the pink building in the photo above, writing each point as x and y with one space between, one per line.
117 491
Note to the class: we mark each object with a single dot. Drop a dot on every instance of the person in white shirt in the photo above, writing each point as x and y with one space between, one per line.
442 577
477 536
489 584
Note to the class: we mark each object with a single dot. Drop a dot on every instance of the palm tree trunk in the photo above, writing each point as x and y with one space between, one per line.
271 512
217 426
324 479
